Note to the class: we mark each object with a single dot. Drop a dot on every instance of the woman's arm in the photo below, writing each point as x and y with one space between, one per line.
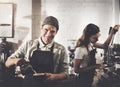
108 40
76 65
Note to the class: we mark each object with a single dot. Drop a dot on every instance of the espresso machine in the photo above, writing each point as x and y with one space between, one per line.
71 55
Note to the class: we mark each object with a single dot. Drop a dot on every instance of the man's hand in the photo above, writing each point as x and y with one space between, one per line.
11 61
50 76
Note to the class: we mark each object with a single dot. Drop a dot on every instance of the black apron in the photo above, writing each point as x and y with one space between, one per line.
41 61
85 79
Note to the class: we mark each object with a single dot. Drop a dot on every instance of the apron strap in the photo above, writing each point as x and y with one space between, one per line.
38 46
52 48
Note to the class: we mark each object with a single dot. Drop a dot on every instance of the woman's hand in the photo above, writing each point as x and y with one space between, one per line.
115 28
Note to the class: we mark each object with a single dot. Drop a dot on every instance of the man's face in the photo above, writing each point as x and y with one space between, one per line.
48 33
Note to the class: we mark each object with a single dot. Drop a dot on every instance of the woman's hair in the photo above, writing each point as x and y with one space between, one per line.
90 29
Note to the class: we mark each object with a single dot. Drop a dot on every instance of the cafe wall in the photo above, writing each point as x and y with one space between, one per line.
73 16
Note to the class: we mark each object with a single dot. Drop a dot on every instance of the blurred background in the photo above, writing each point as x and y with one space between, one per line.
73 16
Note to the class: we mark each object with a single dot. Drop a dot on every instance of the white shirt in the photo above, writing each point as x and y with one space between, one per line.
83 54
45 47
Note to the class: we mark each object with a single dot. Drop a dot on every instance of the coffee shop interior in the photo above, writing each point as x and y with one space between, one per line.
20 21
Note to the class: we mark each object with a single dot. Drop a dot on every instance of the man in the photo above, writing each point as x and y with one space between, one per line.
40 52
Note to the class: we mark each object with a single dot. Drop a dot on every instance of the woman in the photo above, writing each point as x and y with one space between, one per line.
85 63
